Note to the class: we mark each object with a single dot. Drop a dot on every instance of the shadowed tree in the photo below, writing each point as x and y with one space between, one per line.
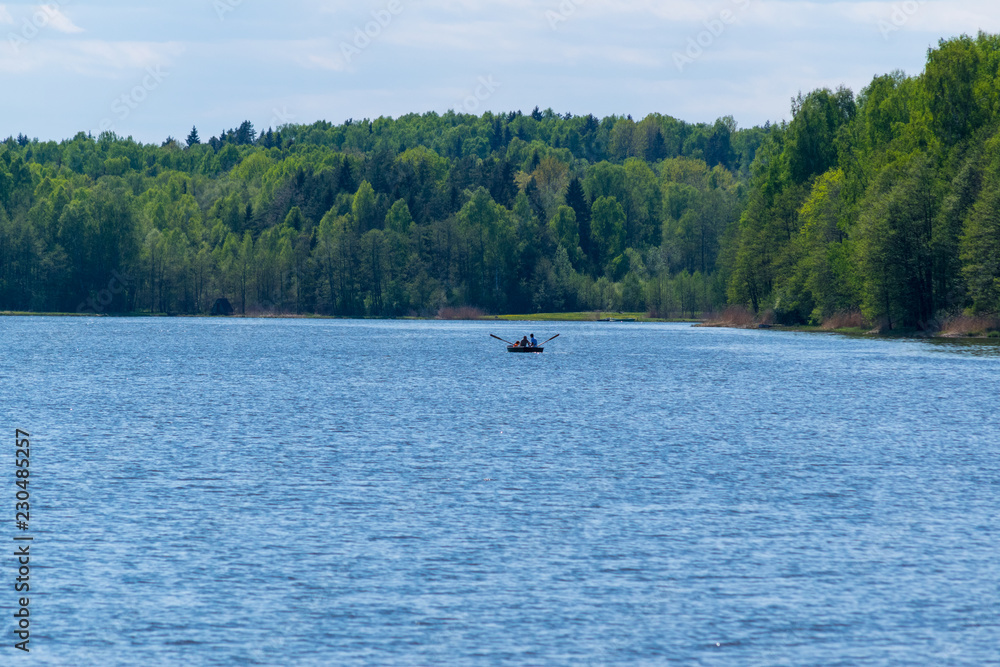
577 200
607 230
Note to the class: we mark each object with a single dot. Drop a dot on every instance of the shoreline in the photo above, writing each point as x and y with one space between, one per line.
857 332
638 318
596 317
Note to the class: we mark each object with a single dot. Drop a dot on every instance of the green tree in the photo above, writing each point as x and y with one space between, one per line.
812 133
398 219
607 228
895 236
823 281
981 248
363 209
566 230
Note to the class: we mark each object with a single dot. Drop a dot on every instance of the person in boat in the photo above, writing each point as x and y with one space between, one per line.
517 343
524 342
534 343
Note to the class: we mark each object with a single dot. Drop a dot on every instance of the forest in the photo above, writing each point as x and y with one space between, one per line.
885 203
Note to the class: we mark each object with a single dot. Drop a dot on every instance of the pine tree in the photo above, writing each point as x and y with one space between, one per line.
193 139
535 161
246 135
503 188
657 148
345 181
497 137
267 138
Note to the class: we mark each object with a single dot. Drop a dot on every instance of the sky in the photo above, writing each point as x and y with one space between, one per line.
156 69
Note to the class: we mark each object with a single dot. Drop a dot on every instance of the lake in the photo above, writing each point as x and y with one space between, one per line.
306 492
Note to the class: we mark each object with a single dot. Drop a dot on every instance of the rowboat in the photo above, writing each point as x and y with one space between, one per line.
526 349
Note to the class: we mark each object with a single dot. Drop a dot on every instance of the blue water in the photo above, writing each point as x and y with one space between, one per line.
217 492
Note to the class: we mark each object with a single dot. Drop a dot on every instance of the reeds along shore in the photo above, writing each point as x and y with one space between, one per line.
964 326
462 313
954 326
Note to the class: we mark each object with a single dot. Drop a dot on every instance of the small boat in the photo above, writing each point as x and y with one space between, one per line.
527 349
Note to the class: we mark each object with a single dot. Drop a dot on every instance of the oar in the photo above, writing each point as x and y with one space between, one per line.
499 338
553 338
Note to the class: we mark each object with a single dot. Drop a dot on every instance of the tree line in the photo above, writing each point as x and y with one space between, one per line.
885 203
882 202
508 213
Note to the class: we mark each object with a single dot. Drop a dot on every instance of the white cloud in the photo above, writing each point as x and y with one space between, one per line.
935 16
678 11
308 54
607 56
87 57
333 64
40 17
93 54
59 21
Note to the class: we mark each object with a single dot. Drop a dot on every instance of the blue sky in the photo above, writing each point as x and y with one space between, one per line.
159 68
